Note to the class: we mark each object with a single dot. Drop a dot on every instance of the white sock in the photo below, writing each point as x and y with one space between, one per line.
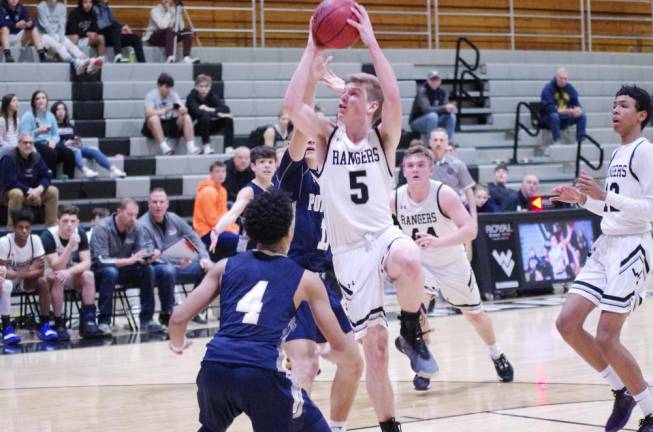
495 351
612 378
190 145
164 145
337 426
645 402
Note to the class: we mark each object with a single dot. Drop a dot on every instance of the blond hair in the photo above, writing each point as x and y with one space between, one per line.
419 149
372 88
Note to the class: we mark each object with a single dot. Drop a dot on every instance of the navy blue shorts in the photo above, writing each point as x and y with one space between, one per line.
268 398
305 323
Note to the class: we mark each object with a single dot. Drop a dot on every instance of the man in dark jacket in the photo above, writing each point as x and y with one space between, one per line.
117 34
499 192
239 172
432 109
521 200
209 113
561 107
17 27
26 179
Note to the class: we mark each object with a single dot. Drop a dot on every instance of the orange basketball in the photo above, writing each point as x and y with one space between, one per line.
330 27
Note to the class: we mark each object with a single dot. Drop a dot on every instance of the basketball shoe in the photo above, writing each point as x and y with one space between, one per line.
503 368
621 410
411 343
646 424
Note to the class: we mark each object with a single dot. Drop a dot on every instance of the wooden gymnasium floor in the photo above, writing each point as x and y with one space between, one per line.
144 387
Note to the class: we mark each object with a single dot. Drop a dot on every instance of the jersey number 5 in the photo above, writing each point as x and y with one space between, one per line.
362 194
252 303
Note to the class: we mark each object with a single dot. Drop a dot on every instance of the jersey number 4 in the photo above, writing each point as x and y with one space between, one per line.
362 194
252 303
430 231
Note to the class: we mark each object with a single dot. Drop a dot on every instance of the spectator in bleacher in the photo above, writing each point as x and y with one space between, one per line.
160 32
52 23
561 107
116 34
20 29
499 190
21 252
278 134
209 113
450 170
484 202
239 172
97 214
68 261
8 123
120 256
432 109
520 200
82 30
166 116
9 336
164 229
71 140
210 205
42 124
264 165
25 180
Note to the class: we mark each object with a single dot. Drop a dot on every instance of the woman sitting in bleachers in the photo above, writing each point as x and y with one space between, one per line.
71 140
43 126
8 123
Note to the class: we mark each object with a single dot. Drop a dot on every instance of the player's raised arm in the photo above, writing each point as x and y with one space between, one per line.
391 114
302 114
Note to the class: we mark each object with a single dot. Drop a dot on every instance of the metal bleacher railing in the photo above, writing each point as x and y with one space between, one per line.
582 23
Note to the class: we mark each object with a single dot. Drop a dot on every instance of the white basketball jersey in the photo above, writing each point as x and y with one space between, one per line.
427 217
629 174
355 184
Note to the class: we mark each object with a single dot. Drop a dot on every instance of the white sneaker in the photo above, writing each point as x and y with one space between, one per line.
81 65
95 64
191 60
207 149
117 172
170 59
192 149
120 59
165 148
89 173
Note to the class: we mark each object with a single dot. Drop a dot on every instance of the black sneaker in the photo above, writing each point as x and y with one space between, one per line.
411 343
621 410
62 334
646 424
88 329
391 425
421 383
503 368
164 318
9 58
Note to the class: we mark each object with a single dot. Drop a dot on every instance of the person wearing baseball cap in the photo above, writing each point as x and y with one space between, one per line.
432 109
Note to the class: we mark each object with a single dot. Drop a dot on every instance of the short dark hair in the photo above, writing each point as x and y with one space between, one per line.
267 218
158 189
72 210
642 100
502 166
100 212
165 80
216 164
125 202
55 107
262 152
22 215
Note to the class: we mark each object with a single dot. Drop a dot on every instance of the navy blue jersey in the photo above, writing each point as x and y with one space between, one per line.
257 190
256 310
309 247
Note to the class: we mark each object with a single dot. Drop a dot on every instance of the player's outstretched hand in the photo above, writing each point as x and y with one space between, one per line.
310 43
363 24
180 349
566 194
588 186
320 66
333 82
426 241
